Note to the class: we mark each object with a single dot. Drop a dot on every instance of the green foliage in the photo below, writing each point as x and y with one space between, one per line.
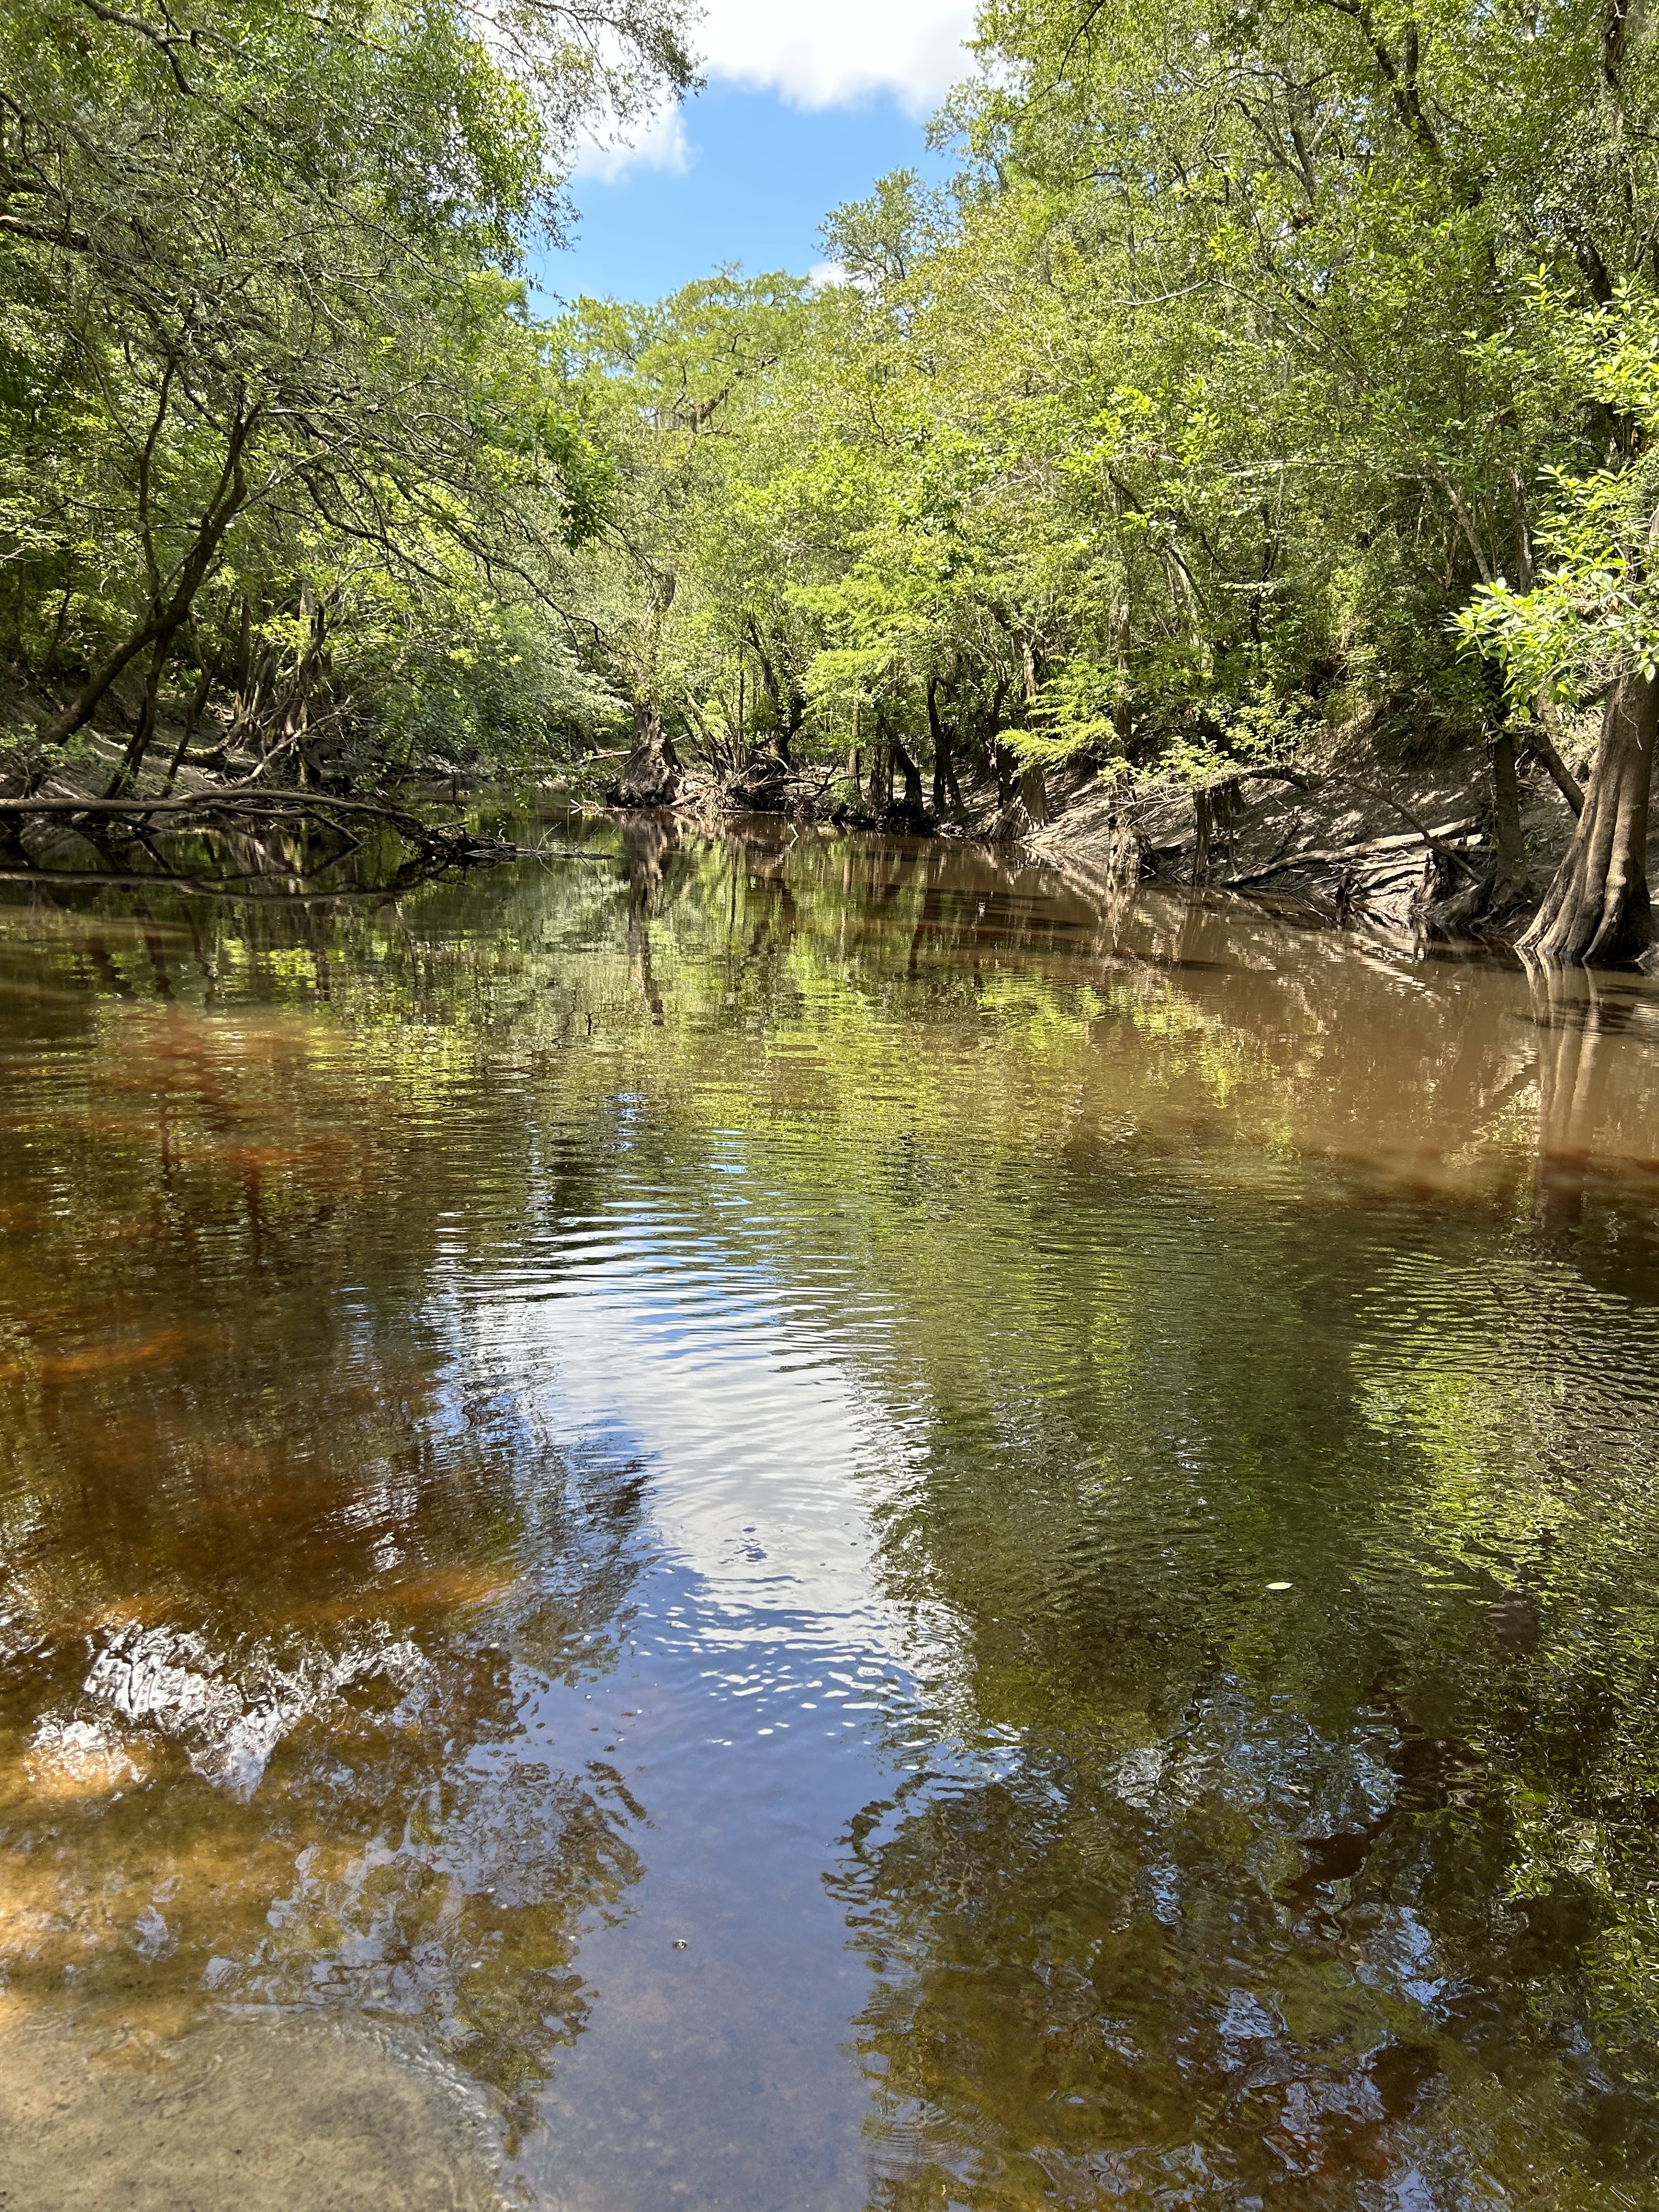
262 358
1593 610
1258 372
1191 422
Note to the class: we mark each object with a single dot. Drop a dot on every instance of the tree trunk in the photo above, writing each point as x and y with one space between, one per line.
193 716
651 773
127 775
161 624
1597 910
912 775
1544 744
1509 885
1034 794
96 690
1002 761
881 776
942 778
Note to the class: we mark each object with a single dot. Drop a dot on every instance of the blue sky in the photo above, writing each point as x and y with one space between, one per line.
760 175
803 108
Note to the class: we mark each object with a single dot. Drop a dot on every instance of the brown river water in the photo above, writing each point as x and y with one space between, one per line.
784 1525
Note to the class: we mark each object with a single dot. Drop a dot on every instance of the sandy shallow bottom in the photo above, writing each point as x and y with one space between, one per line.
283 2115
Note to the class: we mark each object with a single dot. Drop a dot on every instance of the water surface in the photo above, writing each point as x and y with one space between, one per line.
792 1523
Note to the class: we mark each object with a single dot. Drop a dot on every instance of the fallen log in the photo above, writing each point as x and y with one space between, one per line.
1332 856
234 800
436 846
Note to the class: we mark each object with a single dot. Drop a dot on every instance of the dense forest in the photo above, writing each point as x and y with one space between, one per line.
1265 372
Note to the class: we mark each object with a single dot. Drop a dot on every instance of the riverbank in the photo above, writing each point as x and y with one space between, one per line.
1407 846
1406 843
1399 840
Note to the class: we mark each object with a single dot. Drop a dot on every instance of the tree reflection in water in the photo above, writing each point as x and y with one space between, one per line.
285 1567
1244 1339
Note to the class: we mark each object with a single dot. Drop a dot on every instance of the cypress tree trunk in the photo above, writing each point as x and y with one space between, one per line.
1007 774
651 773
1034 794
1597 909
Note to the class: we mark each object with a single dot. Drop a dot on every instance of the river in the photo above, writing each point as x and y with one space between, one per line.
788 1525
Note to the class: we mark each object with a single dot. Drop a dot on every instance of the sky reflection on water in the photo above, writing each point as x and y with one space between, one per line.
823 1527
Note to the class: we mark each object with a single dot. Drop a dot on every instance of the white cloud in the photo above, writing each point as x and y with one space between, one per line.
660 145
821 57
909 49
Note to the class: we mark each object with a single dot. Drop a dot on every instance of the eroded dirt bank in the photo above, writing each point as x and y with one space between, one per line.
1409 845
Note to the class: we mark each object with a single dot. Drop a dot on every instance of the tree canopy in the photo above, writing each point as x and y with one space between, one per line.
1263 371
272 407
1247 382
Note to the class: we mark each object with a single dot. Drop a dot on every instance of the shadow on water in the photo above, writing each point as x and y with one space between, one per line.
808 1523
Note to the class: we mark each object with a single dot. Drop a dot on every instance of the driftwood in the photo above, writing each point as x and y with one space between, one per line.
1335 855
